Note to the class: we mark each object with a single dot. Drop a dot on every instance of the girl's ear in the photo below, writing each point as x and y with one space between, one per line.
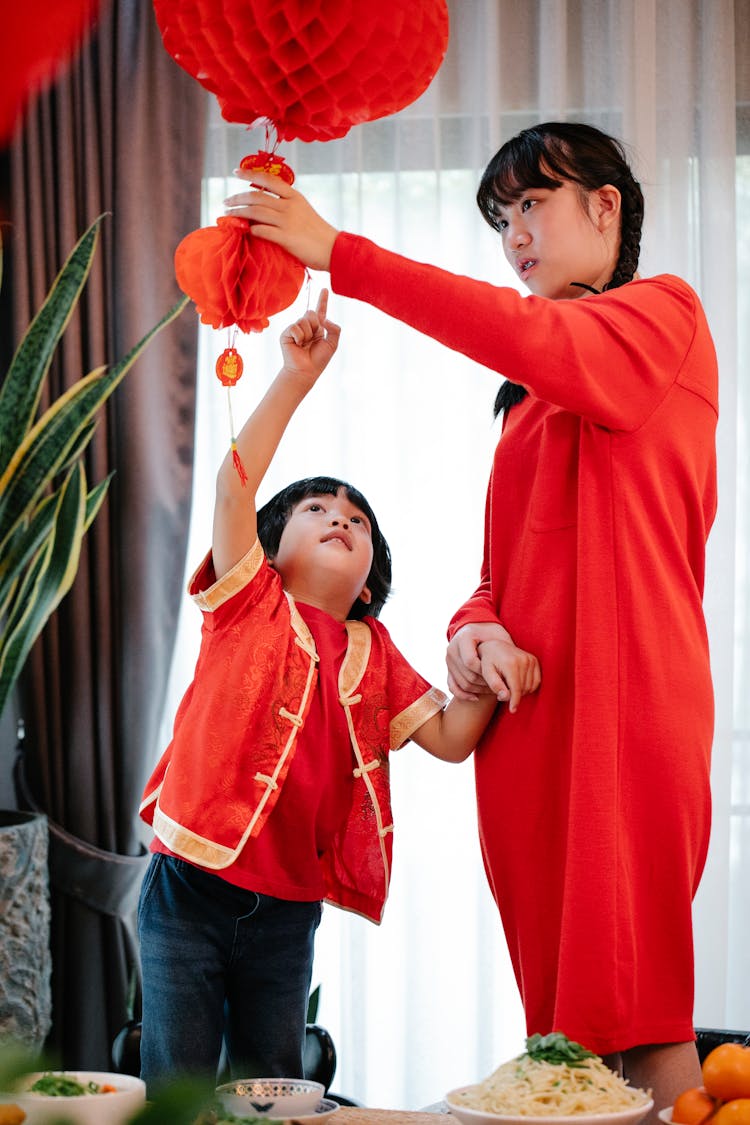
365 595
606 204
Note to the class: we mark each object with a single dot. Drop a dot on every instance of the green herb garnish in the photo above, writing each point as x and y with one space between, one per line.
62 1086
557 1049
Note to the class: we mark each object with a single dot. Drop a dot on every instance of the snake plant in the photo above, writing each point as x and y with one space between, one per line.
46 504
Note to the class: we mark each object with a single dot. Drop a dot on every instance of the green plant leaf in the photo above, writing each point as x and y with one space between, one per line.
46 446
45 508
29 540
20 391
44 451
313 1003
95 499
24 546
179 1103
82 440
48 581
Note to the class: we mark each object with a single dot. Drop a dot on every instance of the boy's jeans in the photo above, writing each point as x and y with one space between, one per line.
220 962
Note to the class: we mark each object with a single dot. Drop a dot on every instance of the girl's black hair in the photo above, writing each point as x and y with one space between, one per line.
543 157
274 516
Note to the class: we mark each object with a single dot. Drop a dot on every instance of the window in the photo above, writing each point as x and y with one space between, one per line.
427 1001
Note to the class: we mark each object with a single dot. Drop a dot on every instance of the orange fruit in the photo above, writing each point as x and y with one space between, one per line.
734 1112
726 1072
693 1107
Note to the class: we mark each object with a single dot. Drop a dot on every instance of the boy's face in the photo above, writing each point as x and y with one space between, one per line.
325 553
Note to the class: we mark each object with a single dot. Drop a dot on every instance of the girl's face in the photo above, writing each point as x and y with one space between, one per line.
554 236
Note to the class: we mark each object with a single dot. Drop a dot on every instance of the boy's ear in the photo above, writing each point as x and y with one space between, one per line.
365 595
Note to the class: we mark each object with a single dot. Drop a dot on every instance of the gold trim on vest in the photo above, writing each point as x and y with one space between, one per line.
413 717
235 579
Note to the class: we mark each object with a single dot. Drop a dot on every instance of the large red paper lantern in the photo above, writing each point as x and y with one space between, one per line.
313 68
234 278
38 37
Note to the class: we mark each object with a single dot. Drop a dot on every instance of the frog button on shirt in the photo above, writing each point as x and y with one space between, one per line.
283 860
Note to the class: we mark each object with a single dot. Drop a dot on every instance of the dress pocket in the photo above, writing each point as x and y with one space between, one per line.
554 498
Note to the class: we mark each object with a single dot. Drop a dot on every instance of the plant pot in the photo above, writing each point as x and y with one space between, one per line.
25 958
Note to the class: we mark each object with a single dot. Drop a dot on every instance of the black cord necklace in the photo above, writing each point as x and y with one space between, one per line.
583 285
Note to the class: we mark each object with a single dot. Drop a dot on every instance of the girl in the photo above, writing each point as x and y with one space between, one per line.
600 500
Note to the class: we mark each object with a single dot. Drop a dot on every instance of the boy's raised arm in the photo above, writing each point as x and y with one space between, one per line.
306 346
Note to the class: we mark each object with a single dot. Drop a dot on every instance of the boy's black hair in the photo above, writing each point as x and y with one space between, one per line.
544 156
274 516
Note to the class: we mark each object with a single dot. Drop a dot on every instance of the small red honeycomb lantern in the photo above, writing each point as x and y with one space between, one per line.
234 278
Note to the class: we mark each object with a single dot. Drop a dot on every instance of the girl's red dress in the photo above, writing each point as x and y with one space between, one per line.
593 798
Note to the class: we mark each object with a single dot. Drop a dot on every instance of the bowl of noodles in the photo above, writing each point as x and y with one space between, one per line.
555 1081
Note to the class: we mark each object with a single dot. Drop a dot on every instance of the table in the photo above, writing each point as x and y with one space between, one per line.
350 1115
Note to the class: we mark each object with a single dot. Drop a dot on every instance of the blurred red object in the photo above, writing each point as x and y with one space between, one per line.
313 68
234 278
39 38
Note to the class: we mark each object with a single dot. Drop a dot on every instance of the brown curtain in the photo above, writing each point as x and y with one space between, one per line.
122 132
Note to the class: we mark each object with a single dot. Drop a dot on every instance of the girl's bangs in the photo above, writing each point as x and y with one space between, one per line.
522 167
531 160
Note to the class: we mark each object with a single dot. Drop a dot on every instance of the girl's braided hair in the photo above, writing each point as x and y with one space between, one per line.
545 156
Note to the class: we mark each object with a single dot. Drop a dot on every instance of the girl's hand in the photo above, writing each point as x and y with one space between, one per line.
465 679
308 345
283 215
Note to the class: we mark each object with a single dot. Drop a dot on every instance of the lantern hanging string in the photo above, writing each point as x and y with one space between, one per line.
236 459
229 367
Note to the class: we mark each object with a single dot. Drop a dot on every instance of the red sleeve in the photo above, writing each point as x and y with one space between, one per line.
610 358
226 600
481 605
405 684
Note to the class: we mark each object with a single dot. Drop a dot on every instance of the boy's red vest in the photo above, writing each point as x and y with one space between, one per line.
236 728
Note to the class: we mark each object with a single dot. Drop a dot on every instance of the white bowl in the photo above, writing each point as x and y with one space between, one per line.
114 1108
279 1098
630 1116
665 1115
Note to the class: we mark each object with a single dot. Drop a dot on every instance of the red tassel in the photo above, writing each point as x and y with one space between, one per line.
238 465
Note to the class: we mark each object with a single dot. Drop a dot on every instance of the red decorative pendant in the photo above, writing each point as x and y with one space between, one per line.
269 162
229 367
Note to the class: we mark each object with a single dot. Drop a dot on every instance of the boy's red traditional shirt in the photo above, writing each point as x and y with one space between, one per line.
236 730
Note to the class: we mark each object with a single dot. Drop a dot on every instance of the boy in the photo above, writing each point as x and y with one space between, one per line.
273 794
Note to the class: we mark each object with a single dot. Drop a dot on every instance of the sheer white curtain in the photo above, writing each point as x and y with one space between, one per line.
427 1001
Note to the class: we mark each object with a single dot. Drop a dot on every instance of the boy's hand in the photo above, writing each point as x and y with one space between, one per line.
482 659
508 671
309 344
465 679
